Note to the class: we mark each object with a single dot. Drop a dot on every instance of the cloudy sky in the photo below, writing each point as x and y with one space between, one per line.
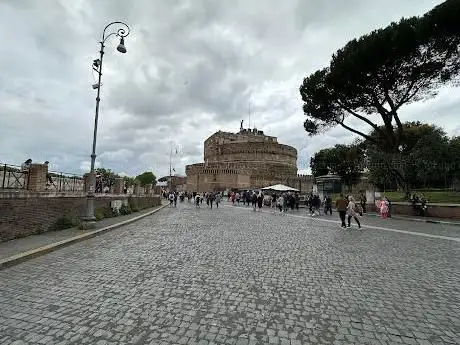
191 69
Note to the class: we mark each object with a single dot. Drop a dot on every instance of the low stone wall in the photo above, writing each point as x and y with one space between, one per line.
448 211
24 213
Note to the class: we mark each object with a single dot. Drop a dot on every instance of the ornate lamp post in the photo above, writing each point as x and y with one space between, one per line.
121 32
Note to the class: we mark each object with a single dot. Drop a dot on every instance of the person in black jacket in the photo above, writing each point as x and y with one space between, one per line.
254 200
260 200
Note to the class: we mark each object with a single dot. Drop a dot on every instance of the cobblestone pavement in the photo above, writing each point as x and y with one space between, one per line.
232 276
374 221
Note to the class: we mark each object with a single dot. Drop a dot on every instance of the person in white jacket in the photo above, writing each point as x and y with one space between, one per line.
351 211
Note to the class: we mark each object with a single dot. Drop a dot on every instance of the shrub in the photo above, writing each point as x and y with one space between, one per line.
99 213
104 212
125 209
109 213
65 222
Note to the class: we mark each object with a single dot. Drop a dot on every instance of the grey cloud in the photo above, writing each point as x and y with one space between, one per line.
190 70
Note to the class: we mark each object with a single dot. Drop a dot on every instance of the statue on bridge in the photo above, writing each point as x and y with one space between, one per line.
241 124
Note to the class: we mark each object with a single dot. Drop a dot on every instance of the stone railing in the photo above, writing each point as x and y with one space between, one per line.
37 179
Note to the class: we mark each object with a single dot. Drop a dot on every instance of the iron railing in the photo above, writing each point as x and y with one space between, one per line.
64 182
13 177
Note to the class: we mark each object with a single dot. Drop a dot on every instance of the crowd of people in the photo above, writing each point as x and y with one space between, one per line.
211 198
347 207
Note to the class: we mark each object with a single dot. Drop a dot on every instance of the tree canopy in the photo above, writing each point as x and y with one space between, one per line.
372 77
345 161
422 159
108 176
146 178
426 158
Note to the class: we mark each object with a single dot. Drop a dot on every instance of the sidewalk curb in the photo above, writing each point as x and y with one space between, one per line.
420 220
28 255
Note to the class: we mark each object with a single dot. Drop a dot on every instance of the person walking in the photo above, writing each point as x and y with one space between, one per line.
351 210
260 200
363 202
175 199
297 201
328 205
384 208
341 206
254 201
280 203
273 201
211 198
218 197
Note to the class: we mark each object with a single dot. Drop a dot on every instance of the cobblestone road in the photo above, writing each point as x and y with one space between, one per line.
231 276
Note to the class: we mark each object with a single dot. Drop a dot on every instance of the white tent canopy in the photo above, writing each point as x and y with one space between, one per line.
281 188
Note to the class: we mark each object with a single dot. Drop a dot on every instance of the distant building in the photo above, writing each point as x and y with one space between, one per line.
247 159
177 183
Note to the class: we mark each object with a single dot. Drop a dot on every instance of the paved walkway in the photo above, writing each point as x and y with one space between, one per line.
20 245
447 221
233 276
371 220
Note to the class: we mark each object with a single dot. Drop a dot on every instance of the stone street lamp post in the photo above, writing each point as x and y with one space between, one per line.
121 32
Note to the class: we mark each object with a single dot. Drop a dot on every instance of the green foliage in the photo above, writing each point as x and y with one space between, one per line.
129 181
124 210
109 213
99 213
382 71
65 222
345 161
108 176
146 178
321 163
104 212
424 159
454 154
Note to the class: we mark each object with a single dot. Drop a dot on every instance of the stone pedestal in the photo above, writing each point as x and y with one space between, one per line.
89 181
137 189
37 177
118 186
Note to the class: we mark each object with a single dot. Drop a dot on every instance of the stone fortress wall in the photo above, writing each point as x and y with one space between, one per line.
247 159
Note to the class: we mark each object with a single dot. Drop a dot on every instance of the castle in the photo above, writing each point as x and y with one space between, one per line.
247 159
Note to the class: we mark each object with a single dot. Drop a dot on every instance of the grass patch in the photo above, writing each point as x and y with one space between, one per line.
435 196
